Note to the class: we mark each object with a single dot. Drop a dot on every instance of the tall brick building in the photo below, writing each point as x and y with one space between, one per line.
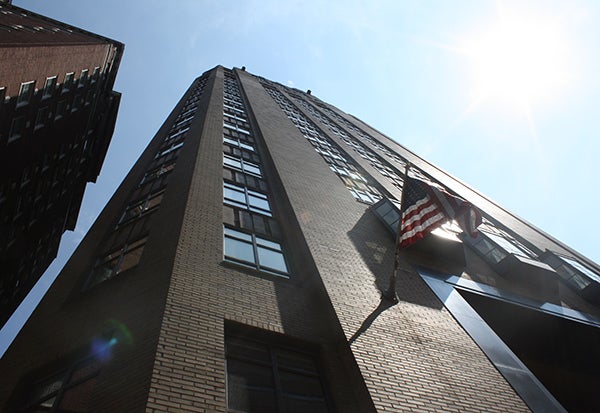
239 267
57 116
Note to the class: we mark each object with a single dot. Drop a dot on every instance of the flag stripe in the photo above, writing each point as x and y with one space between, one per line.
426 207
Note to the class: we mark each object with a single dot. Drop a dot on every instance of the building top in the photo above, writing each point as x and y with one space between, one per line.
20 27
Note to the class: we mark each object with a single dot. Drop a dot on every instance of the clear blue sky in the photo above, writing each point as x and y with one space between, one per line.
437 76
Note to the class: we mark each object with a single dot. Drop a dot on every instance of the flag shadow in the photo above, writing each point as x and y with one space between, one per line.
377 249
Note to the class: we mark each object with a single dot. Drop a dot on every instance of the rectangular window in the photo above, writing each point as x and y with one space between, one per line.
68 83
243 197
254 251
141 207
68 389
83 78
267 377
61 108
16 128
41 117
242 165
25 93
95 74
158 172
49 87
117 262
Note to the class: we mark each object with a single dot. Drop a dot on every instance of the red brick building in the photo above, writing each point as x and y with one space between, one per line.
57 115
240 266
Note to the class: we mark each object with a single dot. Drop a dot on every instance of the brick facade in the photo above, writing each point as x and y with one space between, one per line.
172 314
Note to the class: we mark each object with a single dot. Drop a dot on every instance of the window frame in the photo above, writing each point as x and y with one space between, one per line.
25 93
256 243
248 195
274 350
118 255
49 87
68 82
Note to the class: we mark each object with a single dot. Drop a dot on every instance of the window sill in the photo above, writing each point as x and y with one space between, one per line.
269 275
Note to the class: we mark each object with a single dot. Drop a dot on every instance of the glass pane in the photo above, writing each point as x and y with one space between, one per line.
271 259
267 243
259 202
300 385
130 259
496 255
250 387
586 271
154 200
104 271
507 245
296 361
232 162
239 250
247 147
579 281
247 349
230 141
237 234
234 193
47 390
248 167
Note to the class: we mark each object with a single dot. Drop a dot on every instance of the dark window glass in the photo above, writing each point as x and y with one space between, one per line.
68 83
25 93
49 86
259 380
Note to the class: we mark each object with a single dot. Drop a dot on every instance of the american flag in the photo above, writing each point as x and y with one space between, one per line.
425 206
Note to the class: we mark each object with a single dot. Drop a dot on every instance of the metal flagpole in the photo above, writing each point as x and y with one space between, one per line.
390 293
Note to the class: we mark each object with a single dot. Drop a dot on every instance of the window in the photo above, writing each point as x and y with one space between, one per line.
77 101
49 87
16 128
116 262
238 143
25 93
61 108
263 377
68 83
95 74
68 389
571 271
242 165
170 148
83 78
243 197
495 244
2 96
42 117
158 172
254 251
138 208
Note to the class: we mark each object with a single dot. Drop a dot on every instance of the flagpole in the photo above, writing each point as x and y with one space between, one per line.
390 293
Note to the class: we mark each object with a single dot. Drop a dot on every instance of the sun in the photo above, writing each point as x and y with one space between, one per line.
519 60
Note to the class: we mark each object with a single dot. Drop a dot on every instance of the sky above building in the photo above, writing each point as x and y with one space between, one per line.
502 95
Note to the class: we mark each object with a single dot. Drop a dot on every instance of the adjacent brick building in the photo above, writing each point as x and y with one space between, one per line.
239 267
57 116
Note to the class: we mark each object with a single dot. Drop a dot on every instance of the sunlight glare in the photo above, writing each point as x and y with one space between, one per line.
519 61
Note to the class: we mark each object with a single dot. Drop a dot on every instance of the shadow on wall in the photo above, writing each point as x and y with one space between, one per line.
377 248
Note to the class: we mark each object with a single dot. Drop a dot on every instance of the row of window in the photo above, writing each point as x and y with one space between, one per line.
50 86
126 243
250 235
375 160
265 372
357 184
495 244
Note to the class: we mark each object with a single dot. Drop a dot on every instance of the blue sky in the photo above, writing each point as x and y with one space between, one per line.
410 69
